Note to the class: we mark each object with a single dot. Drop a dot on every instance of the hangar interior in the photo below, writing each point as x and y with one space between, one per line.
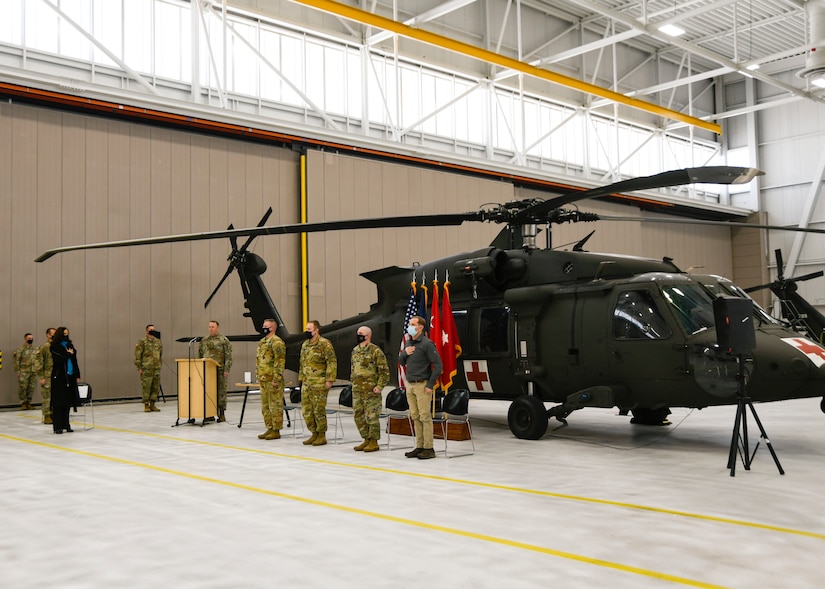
125 119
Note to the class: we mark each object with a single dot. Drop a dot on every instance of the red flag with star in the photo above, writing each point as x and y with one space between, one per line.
450 346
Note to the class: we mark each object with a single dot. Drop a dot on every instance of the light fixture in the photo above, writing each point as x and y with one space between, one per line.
672 30
814 70
753 66
818 82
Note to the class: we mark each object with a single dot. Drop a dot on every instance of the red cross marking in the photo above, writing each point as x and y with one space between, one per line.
807 347
477 376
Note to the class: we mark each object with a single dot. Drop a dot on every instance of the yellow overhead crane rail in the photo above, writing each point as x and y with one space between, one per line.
380 22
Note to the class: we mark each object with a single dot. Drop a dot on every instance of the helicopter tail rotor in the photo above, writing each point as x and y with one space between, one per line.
238 255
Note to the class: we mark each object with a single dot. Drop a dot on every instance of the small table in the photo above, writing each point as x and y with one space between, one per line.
246 386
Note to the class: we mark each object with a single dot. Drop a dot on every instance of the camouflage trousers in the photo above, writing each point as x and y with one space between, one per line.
25 386
150 385
366 407
221 390
314 404
272 404
46 393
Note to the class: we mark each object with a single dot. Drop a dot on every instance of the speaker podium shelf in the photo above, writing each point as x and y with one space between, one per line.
458 432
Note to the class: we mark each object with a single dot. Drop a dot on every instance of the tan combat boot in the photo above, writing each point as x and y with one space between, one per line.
311 439
362 445
263 435
272 434
152 406
372 446
48 419
221 414
321 440
146 408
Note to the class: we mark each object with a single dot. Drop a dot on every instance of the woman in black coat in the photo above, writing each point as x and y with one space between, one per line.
65 374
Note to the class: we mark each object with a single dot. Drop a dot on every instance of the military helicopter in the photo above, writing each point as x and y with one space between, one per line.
574 328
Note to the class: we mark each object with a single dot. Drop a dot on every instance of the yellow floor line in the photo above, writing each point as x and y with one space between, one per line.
512 489
372 514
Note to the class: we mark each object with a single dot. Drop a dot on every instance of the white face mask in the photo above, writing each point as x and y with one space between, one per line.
412 330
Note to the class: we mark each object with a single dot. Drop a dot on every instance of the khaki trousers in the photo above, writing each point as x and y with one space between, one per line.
420 402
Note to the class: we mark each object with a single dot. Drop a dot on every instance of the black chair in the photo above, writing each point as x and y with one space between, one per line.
344 400
397 409
455 411
294 404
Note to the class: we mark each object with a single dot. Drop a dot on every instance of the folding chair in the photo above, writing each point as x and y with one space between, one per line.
455 411
397 409
294 405
335 414
85 393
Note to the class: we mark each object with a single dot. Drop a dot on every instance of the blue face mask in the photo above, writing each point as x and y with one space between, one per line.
412 330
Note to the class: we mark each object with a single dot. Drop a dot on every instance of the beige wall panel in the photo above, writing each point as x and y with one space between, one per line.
8 334
96 300
23 236
117 373
68 179
385 189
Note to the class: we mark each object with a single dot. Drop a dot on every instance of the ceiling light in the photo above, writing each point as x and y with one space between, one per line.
672 30
818 82
753 66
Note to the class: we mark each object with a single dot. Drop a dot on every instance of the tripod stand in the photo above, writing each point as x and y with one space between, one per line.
740 428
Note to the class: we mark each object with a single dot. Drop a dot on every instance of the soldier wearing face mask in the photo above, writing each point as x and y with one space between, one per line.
25 358
316 373
369 375
269 366
44 371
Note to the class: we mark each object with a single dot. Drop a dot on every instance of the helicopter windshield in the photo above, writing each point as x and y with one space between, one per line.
636 316
692 306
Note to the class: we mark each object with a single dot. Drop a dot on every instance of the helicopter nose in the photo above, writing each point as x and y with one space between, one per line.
786 366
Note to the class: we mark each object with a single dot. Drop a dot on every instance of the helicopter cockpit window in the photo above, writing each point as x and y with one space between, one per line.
692 306
492 330
636 316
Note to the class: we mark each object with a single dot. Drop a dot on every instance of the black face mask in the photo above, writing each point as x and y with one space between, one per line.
361 338
266 330
154 333
29 341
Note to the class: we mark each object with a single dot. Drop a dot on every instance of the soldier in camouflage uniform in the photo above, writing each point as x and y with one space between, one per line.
43 368
148 359
370 374
219 349
316 373
25 358
269 365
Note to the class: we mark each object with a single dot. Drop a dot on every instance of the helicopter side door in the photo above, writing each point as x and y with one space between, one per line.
485 367
647 353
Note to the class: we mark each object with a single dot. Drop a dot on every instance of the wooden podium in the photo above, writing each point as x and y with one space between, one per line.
197 389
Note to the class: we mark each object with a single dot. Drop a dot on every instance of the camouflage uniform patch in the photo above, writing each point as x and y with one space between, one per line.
43 368
270 358
148 357
219 349
369 370
317 366
25 358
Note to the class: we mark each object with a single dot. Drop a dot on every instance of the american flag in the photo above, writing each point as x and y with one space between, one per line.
412 311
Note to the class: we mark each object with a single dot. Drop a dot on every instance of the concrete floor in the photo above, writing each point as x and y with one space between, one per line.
135 502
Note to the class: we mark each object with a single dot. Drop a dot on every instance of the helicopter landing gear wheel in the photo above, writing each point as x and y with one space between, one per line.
527 418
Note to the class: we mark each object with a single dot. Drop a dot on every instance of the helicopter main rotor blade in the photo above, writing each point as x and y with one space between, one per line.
780 266
706 175
261 223
380 223
214 292
716 223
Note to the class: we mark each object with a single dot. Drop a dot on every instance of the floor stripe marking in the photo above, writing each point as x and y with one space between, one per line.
372 514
